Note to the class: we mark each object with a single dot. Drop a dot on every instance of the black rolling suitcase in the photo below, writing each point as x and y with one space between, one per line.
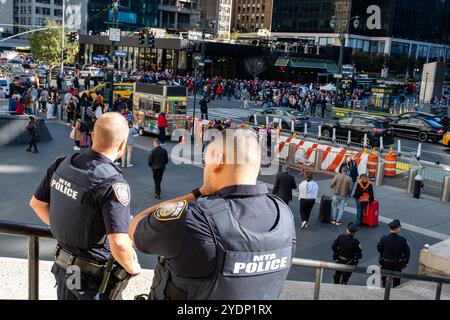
325 209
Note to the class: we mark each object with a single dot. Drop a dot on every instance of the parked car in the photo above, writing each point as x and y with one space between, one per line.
375 127
23 78
417 115
420 129
4 83
286 115
92 71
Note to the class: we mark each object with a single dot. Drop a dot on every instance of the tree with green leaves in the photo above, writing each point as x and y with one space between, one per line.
46 45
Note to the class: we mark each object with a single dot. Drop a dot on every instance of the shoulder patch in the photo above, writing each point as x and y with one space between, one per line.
170 211
122 193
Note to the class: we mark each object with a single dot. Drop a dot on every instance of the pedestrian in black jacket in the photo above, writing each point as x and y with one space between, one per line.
157 161
32 130
284 184
346 250
204 108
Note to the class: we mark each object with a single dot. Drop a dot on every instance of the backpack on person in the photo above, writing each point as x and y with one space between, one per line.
365 195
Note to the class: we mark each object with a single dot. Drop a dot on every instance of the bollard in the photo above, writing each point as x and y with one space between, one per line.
412 174
293 126
280 123
291 154
381 144
318 159
334 134
445 196
419 151
399 148
349 137
365 140
380 174
306 128
267 122
319 134
255 119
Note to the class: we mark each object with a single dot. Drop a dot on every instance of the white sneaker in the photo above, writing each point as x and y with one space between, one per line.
304 223
130 165
76 149
123 166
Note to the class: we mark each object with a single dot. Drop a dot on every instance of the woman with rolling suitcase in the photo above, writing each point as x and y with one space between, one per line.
363 196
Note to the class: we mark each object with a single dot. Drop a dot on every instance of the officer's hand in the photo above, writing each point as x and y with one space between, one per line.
135 269
206 190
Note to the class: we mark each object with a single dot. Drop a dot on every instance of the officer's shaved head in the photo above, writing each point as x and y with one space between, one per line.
110 131
234 155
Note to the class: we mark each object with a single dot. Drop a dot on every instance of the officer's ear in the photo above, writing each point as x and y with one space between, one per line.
219 161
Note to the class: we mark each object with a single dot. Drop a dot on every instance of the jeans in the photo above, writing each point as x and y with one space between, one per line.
162 135
157 178
359 212
338 206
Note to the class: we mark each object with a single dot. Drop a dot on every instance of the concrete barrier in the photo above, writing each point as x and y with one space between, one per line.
436 259
13 130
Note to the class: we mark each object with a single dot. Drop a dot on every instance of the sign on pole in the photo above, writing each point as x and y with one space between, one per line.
337 76
119 53
114 34
195 35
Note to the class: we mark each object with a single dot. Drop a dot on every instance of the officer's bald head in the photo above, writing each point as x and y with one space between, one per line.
236 152
110 131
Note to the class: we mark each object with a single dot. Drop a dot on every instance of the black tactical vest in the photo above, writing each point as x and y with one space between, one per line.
249 265
73 207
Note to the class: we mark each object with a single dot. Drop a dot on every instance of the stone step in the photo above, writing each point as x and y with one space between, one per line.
14 279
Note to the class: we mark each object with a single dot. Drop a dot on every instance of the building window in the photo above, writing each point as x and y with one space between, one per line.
399 48
43 11
57 12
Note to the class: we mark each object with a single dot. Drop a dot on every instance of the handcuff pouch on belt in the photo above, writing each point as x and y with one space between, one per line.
162 286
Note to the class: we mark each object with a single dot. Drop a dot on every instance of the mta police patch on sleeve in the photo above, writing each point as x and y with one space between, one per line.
122 192
170 211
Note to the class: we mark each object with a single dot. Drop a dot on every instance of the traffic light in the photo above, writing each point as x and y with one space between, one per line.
65 51
142 37
151 40
73 37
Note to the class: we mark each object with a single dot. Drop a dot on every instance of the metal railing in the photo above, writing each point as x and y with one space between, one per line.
320 266
35 232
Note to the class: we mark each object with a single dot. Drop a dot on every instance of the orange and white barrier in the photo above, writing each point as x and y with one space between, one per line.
332 157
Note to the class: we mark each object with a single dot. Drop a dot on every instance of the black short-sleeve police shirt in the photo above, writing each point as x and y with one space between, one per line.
115 216
185 238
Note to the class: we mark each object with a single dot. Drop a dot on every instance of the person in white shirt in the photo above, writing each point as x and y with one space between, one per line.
307 194
2 94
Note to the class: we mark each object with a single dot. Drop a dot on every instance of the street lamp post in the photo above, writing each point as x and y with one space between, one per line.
343 29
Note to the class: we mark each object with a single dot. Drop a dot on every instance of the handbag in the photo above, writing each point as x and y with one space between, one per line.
72 134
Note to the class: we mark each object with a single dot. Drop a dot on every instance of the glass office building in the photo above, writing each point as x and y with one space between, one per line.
133 15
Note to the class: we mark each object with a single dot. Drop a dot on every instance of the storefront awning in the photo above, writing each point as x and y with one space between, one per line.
329 67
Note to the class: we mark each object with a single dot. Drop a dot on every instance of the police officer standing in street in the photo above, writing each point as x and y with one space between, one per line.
394 252
86 202
228 239
346 250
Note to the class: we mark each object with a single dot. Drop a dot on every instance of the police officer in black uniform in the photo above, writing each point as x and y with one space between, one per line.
346 250
228 239
394 252
86 202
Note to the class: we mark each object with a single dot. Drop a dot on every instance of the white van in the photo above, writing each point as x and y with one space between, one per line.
92 71
4 83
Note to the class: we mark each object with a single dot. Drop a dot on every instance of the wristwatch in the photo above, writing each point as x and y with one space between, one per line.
196 192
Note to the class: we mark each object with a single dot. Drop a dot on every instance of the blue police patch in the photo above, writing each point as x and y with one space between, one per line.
170 211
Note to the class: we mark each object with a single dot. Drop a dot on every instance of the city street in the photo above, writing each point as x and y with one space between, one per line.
223 109
20 173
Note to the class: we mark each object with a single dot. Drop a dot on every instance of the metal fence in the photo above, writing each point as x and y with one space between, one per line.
35 232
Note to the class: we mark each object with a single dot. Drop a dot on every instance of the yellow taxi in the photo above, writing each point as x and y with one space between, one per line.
123 89
446 139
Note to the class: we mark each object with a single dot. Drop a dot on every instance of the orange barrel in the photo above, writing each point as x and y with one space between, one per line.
372 164
390 164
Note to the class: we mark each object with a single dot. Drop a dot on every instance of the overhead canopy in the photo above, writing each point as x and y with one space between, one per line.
327 66
328 87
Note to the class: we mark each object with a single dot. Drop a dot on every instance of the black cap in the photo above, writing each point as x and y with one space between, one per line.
394 224
352 227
